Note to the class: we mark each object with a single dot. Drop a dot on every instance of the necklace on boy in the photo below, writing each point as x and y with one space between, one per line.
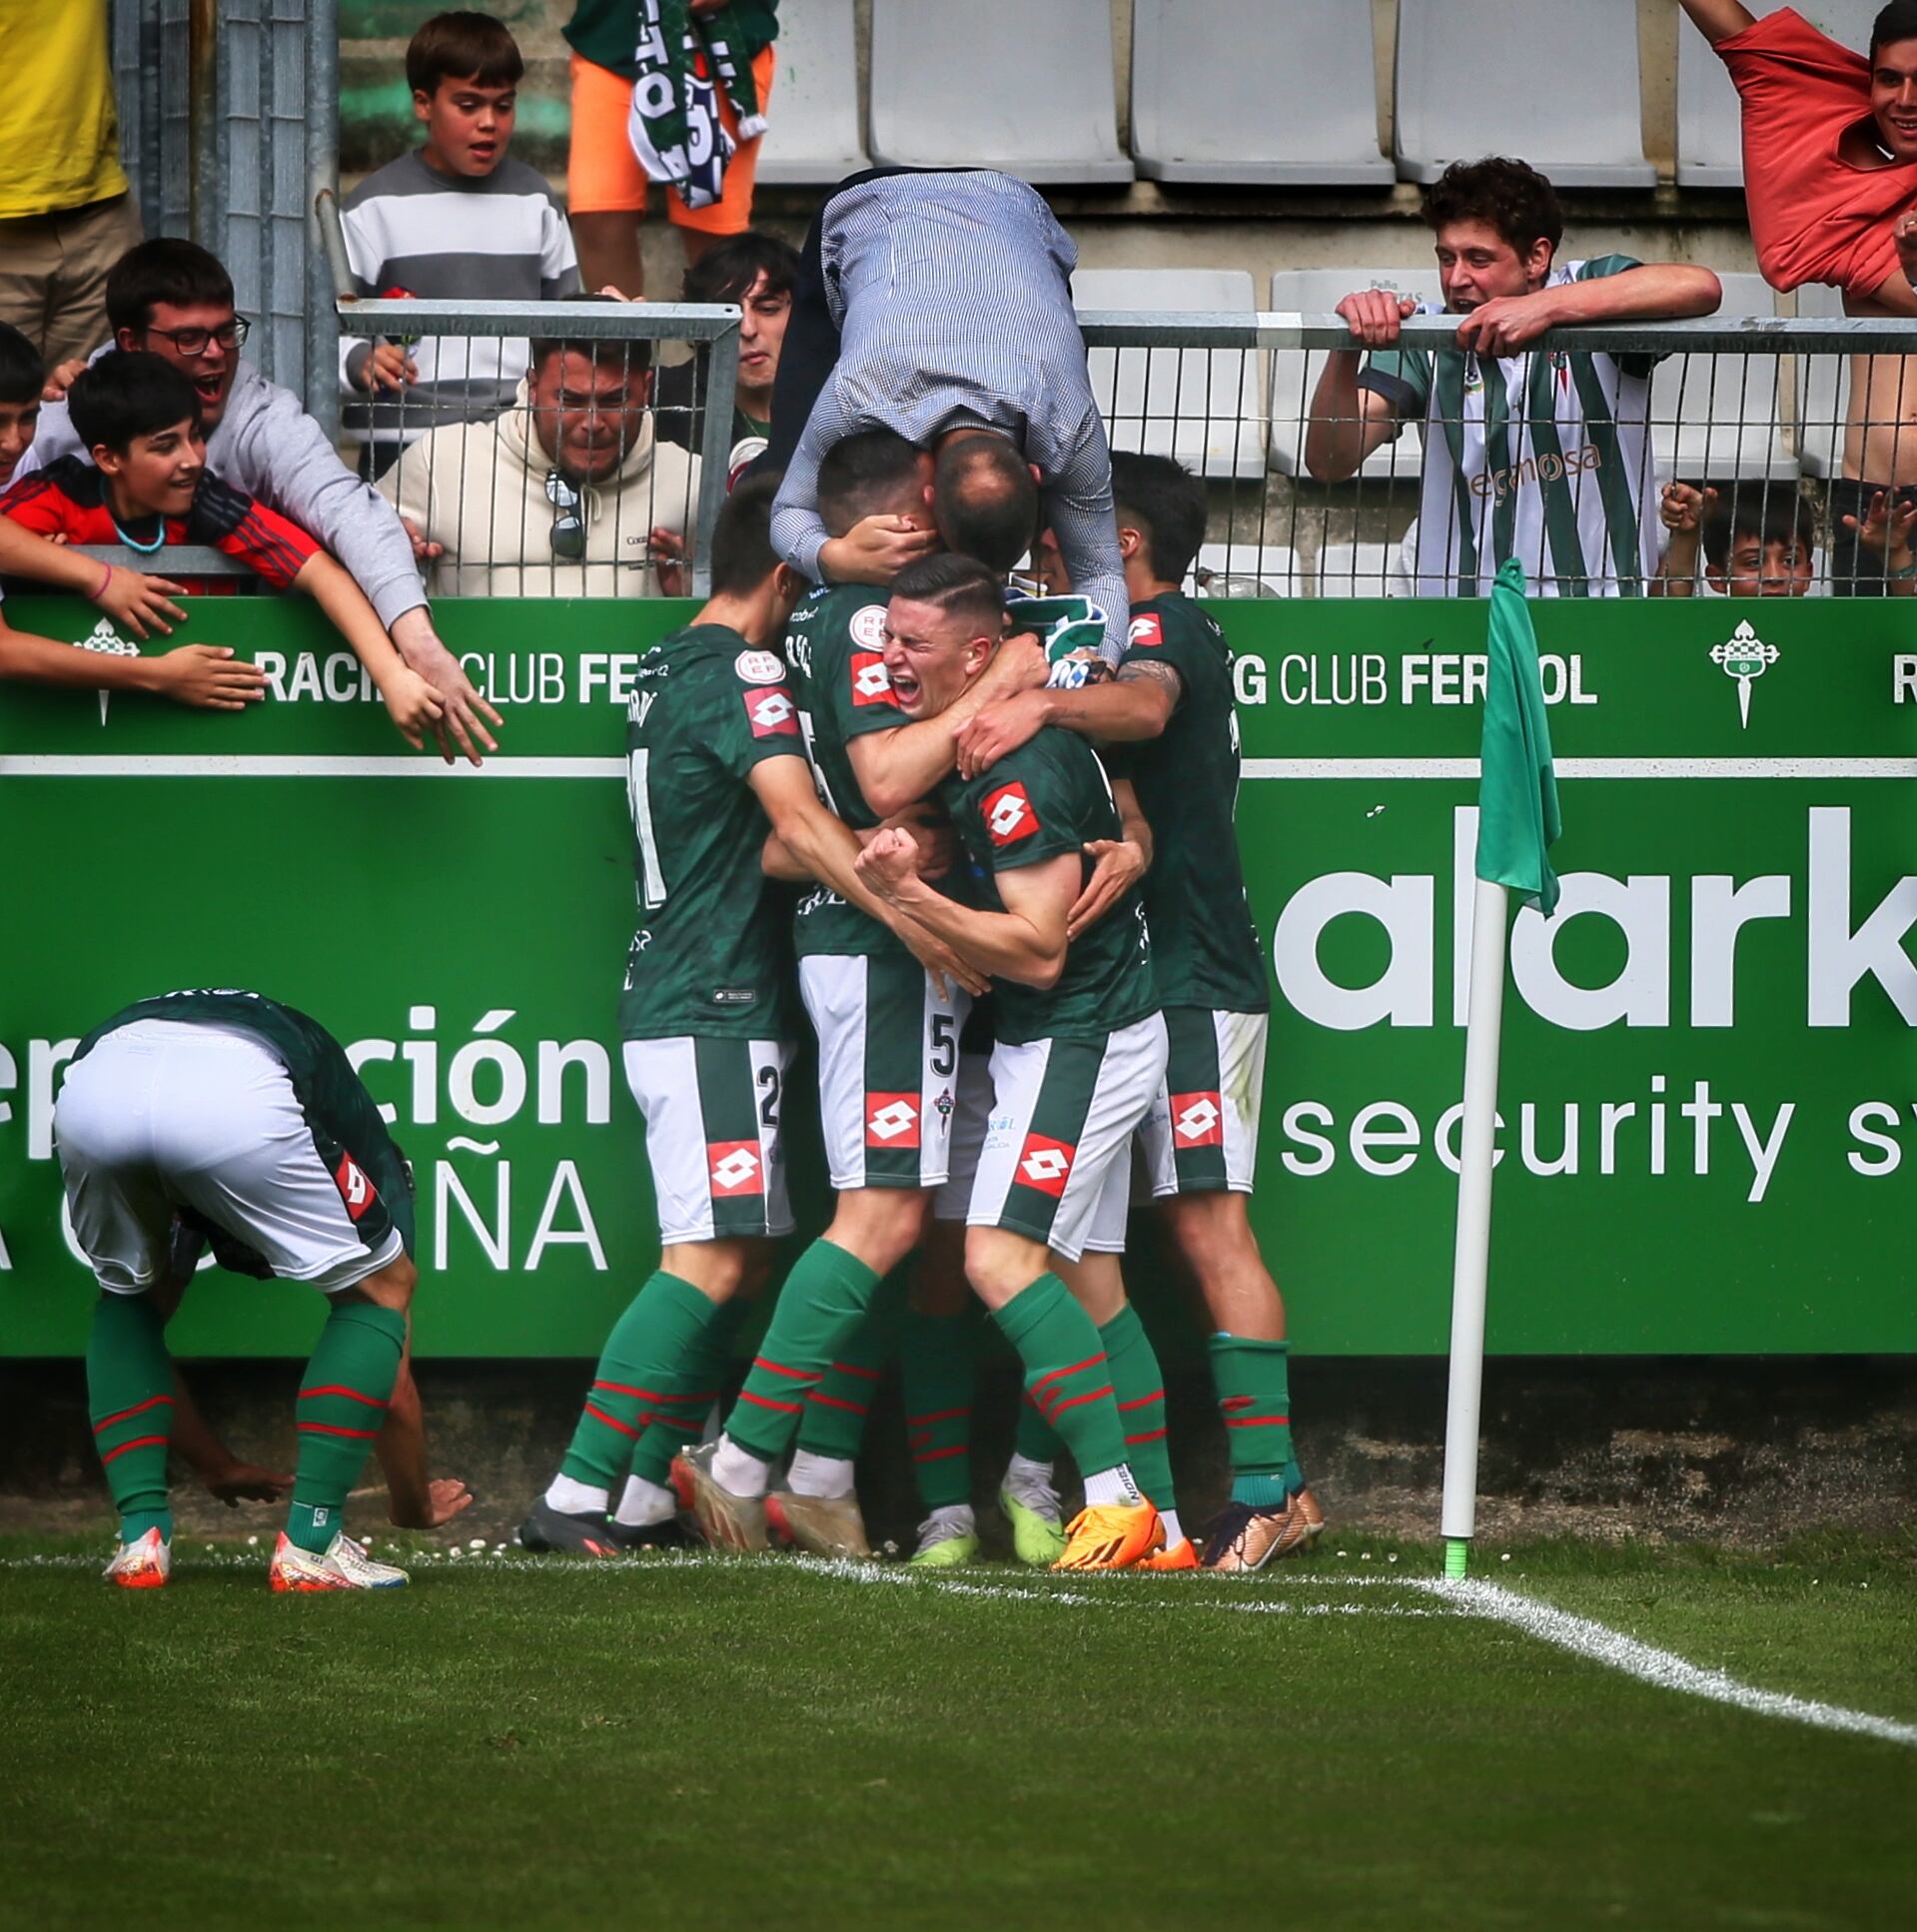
133 542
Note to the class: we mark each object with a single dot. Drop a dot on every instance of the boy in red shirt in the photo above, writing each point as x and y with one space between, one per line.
148 486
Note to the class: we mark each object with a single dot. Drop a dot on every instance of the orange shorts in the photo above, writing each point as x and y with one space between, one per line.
604 176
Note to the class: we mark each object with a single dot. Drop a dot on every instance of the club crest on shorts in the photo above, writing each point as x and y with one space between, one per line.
760 667
1008 814
1198 1119
1146 631
355 1190
871 681
1046 1164
734 1168
891 1120
771 715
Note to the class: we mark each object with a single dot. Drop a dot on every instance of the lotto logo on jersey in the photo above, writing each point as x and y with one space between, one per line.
772 714
871 681
355 1190
1198 1119
734 1168
1146 631
891 1120
1009 816
1045 1164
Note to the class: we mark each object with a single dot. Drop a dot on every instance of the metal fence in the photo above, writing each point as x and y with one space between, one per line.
1767 422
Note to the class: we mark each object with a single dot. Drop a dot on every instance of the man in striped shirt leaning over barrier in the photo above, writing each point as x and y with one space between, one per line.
1542 456
939 306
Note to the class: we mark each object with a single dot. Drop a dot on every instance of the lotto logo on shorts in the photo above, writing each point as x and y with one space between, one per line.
772 714
1045 1164
1009 815
891 1120
355 1190
734 1168
1198 1119
871 681
1146 631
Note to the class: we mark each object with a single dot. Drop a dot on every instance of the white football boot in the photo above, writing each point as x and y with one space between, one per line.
143 1564
343 1567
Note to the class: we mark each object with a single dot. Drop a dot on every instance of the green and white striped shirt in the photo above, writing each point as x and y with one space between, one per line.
1543 455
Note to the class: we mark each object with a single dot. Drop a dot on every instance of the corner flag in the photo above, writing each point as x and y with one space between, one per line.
1517 822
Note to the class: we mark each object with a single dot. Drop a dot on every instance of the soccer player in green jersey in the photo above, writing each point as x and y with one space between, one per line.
224 1118
714 757
1170 710
1080 1047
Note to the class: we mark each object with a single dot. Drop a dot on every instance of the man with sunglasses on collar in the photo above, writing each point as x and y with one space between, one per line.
567 494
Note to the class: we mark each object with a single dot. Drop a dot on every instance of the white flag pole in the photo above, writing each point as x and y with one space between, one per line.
1470 1262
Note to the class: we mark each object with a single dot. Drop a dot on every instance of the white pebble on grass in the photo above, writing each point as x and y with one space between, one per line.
250 1541
477 1542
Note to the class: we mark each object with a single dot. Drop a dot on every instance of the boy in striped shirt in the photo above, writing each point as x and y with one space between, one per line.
1542 456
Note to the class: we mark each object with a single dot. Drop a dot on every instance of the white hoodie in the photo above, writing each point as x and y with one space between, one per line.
489 494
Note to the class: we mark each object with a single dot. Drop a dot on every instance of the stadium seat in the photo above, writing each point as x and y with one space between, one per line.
1710 146
814 131
1361 570
1295 104
997 84
1725 415
1294 375
1198 405
1553 80
1273 567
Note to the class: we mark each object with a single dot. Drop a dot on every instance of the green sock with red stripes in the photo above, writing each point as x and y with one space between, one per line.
130 1400
1066 1373
1253 1380
680 1417
1035 1438
937 1368
341 1404
820 1307
836 1411
637 1378
1138 1386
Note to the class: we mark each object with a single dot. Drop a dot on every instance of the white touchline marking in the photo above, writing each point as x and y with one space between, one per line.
1585 1637
1583 767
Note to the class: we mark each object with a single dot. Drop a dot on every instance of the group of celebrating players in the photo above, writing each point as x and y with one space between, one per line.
1021 938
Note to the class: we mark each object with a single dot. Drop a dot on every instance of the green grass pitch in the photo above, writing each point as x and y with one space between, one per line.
702 1743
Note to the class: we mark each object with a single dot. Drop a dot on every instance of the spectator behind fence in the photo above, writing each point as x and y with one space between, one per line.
148 486
66 214
568 493
1549 459
1830 176
617 43
1761 543
457 218
175 299
757 272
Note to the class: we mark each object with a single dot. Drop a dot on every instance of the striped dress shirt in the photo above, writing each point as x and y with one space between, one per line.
953 299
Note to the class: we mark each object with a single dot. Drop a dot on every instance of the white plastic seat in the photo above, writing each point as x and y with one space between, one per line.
1295 104
1553 80
1294 371
1198 405
1725 415
1358 571
997 84
813 132
1710 145
1273 566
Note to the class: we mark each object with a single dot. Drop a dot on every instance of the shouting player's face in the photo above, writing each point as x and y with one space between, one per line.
1893 96
586 411
1476 265
931 656
157 474
202 340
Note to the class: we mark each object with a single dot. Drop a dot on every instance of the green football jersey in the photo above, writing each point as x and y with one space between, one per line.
1205 949
1050 797
711 952
835 650
345 1117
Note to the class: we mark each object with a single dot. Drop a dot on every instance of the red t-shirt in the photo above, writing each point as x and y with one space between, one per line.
1813 216
67 499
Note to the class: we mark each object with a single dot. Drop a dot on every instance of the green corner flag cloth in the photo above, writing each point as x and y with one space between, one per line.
1517 820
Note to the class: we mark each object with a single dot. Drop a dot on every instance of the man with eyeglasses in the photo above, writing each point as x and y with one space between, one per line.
175 299
567 494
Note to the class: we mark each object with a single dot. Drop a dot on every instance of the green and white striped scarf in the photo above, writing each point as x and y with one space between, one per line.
682 61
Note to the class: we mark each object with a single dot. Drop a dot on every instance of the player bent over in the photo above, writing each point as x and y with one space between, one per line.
242 1120
1080 1047
714 756
1171 706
